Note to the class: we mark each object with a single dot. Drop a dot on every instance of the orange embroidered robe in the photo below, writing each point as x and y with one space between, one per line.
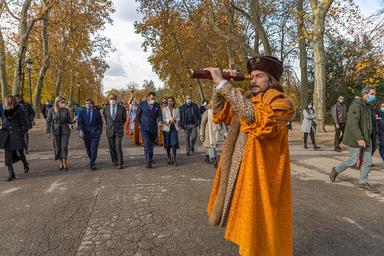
136 135
259 214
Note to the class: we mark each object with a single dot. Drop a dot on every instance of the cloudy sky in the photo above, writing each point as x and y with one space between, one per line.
129 61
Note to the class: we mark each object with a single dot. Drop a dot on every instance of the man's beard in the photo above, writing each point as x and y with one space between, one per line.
261 89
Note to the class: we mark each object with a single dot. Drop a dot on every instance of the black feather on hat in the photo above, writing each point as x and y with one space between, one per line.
268 64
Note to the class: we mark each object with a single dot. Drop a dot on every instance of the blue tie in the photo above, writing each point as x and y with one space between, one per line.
113 113
89 113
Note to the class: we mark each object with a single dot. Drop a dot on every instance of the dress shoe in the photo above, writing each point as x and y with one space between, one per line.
333 174
368 187
315 147
215 163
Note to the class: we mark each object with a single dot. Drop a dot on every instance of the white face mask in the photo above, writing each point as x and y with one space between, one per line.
112 102
151 102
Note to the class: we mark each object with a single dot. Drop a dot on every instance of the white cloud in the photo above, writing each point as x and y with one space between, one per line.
129 61
127 10
369 7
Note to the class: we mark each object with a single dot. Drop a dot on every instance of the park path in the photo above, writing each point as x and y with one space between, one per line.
162 211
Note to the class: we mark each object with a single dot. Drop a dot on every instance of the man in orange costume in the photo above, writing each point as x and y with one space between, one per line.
131 125
251 194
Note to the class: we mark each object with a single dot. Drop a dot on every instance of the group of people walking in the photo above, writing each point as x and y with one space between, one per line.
361 127
144 121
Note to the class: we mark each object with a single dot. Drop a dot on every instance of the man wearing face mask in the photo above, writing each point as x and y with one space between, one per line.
90 126
190 119
358 136
339 114
149 119
251 194
115 117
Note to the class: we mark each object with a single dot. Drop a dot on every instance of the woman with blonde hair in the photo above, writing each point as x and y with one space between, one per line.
58 124
15 125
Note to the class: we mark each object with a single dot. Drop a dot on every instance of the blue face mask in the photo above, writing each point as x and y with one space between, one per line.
188 101
371 99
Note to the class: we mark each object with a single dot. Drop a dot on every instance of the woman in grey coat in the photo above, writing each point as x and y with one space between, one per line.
308 126
58 124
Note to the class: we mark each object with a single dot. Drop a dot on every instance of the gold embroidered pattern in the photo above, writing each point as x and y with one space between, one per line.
239 103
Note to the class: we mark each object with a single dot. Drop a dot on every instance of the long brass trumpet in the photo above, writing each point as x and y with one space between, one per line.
203 74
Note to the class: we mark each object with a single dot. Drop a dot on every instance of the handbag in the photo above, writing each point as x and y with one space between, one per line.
3 138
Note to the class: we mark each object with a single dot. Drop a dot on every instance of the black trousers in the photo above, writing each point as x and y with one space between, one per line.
339 134
116 149
26 139
13 156
312 134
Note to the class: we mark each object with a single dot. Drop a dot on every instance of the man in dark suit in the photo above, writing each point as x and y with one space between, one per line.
90 126
30 113
148 118
190 119
115 117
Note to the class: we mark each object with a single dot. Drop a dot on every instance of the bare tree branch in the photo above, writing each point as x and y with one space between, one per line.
9 11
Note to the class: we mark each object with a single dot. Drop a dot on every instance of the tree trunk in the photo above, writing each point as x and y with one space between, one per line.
319 92
256 47
255 10
3 69
70 96
59 80
44 67
303 58
201 92
24 32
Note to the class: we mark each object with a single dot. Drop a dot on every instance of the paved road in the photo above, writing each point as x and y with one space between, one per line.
162 211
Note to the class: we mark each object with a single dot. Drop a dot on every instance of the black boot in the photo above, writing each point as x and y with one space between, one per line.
305 140
174 162
169 156
215 163
207 159
25 162
12 175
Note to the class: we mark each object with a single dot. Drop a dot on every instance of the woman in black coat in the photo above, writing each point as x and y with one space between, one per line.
16 124
59 120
